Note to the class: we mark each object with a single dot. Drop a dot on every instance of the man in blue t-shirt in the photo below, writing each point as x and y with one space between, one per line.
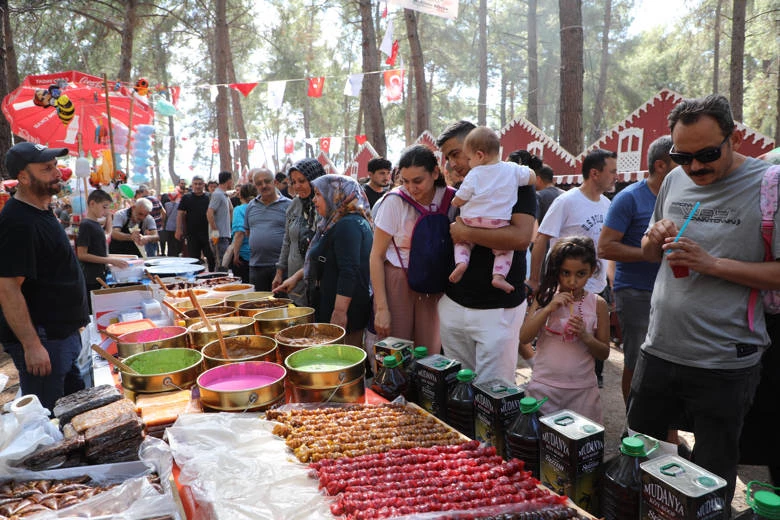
621 240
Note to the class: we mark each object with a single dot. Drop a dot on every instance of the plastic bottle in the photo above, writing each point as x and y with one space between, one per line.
622 492
390 381
460 404
765 503
412 390
522 437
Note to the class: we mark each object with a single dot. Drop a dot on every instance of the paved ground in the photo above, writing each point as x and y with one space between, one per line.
611 398
614 423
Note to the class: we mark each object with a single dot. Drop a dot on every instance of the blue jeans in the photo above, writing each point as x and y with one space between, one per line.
710 402
65 377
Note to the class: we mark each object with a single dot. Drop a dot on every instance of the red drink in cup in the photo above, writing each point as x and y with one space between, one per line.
680 271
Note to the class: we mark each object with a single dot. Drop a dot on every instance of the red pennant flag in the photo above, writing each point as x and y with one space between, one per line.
175 92
244 88
393 55
315 86
215 146
360 139
250 144
289 145
394 84
325 144
384 11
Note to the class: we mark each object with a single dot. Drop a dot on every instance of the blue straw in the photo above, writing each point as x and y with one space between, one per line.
685 224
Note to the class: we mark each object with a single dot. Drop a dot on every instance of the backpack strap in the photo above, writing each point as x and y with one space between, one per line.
768 204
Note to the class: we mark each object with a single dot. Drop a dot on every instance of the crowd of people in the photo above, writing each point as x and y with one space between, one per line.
439 256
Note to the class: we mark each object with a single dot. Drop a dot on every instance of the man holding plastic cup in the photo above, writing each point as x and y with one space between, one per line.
700 361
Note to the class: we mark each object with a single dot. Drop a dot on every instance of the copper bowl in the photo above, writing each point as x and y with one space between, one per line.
239 348
234 300
162 370
139 341
271 321
251 308
297 337
200 336
217 311
231 387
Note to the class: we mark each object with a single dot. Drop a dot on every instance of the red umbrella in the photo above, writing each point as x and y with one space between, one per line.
60 109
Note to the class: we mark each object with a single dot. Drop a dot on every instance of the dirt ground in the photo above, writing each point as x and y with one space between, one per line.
611 398
615 422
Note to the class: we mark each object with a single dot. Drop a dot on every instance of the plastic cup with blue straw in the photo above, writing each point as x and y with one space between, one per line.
683 271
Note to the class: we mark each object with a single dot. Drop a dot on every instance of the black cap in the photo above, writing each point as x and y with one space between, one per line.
22 154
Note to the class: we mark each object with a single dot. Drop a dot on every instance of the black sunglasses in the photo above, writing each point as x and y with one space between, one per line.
707 155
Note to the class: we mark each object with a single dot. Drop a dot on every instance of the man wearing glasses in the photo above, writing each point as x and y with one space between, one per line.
264 223
700 362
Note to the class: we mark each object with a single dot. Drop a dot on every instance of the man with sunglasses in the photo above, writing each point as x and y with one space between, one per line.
700 362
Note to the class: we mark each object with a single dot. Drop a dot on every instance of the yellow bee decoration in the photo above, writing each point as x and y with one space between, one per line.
65 109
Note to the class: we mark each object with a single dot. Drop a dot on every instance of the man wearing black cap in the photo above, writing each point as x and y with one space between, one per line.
42 292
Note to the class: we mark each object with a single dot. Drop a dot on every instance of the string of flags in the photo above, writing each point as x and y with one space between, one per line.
328 144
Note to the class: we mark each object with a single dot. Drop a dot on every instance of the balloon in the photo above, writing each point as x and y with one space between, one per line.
140 178
145 130
78 205
126 191
141 161
66 173
82 168
164 108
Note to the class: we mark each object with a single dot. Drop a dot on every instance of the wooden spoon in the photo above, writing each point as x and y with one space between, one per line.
114 361
196 304
112 336
159 282
222 345
175 310
102 283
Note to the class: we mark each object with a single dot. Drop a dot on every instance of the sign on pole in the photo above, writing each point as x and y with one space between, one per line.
443 8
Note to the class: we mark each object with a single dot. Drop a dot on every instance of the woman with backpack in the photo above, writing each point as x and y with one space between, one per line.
336 267
406 291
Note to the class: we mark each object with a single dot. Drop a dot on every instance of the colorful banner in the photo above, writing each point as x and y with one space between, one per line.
394 85
315 86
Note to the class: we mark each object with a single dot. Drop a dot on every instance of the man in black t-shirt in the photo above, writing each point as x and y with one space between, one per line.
479 324
379 173
191 222
42 294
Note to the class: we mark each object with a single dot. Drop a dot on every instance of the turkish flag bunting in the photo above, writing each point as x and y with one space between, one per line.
315 86
244 88
215 146
394 84
289 145
325 144
360 139
250 144
175 92
393 55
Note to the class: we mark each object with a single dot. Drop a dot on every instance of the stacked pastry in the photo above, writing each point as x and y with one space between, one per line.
159 411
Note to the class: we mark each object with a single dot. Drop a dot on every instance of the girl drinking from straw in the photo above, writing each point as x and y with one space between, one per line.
572 330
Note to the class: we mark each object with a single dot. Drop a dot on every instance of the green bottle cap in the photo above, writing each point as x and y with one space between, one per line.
530 404
420 352
390 362
465 375
766 504
633 447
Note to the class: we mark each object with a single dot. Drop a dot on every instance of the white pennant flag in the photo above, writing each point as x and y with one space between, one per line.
335 146
214 93
387 41
276 94
353 85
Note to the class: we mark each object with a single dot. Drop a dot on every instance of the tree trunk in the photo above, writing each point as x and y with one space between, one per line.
221 51
369 95
598 109
716 49
736 88
571 75
483 80
409 103
504 86
533 67
128 32
5 128
777 99
11 68
421 100
239 127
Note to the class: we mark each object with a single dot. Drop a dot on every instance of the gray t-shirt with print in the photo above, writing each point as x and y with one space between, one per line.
220 204
701 321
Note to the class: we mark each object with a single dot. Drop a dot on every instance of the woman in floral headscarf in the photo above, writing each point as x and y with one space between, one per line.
337 263
298 231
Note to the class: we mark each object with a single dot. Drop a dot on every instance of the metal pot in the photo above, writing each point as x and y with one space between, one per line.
328 373
233 288
239 348
186 304
248 386
271 321
162 370
231 326
253 307
234 300
297 337
132 343
217 311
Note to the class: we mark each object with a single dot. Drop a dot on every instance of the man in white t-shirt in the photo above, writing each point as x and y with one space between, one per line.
579 211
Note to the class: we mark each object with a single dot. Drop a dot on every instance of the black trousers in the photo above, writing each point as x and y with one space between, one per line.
198 245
